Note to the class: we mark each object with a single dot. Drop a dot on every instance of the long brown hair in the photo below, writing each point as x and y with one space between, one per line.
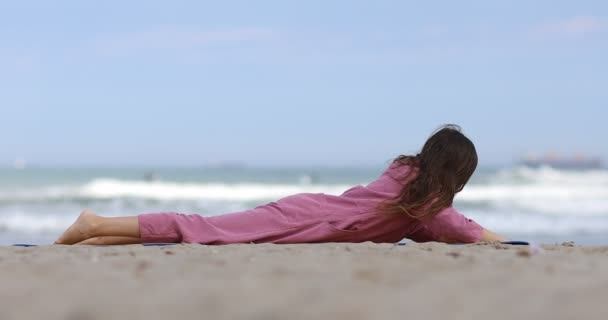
445 165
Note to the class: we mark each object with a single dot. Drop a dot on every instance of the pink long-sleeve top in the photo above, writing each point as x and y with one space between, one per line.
316 217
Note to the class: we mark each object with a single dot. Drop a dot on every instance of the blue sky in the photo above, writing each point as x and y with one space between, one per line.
294 83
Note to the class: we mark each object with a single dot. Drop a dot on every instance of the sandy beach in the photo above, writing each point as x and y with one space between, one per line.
330 281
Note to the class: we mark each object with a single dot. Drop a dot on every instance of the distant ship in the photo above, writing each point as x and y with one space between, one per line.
577 162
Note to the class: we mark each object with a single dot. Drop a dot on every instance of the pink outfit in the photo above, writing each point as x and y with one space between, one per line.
316 217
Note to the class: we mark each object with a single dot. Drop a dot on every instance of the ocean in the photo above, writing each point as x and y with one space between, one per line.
542 205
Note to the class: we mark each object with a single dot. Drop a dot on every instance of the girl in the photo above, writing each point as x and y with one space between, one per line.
411 199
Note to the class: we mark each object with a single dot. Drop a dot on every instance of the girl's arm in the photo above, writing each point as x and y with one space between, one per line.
490 236
450 226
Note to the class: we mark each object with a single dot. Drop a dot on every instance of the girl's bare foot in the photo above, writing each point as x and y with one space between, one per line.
81 230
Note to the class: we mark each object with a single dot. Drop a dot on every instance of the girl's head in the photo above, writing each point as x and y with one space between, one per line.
445 164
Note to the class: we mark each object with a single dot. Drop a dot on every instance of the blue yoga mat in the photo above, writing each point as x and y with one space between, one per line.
144 244
514 243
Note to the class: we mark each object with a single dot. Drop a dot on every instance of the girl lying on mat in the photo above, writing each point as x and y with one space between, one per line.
411 199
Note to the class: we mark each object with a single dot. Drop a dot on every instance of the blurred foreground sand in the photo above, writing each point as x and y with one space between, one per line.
313 281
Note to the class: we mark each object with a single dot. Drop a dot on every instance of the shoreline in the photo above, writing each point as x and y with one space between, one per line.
332 280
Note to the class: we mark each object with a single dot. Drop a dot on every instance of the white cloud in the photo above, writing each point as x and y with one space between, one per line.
579 25
18 61
179 38
434 31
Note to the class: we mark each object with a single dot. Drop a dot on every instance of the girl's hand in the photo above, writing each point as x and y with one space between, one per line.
490 236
